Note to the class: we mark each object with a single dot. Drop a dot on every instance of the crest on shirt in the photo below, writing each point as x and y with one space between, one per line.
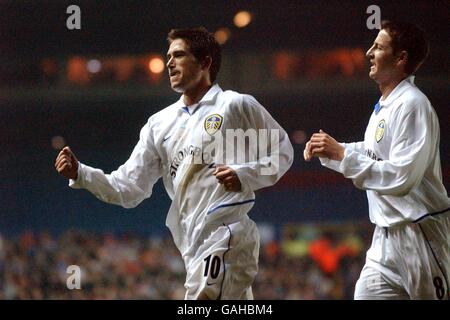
213 123
380 130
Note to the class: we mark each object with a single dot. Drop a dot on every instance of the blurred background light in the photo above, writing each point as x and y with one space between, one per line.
299 137
94 66
222 35
242 19
156 65
77 70
58 142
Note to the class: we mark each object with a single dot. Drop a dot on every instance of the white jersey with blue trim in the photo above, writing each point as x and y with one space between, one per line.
398 163
168 144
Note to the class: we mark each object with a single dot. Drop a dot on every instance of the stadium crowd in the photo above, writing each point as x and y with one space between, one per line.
129 266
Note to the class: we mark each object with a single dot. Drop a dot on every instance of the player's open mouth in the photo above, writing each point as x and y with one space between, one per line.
174 73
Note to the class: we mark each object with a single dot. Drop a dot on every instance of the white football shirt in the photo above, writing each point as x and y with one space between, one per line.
167 146
398 162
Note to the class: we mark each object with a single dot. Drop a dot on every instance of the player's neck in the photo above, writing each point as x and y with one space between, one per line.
194 95
387 87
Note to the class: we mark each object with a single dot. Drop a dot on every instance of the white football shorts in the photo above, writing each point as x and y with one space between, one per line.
408 261
226 264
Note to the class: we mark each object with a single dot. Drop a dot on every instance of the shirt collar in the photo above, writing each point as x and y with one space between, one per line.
208 98
398 90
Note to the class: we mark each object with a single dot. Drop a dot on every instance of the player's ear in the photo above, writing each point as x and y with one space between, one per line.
206 64
402 58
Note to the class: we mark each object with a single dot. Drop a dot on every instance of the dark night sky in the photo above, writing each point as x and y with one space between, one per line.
38 28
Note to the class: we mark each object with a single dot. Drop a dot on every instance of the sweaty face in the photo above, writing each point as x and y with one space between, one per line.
184 70
382 59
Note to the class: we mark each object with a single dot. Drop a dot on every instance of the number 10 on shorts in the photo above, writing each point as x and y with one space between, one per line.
212 266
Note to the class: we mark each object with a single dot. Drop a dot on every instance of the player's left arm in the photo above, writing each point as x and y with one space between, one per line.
272 156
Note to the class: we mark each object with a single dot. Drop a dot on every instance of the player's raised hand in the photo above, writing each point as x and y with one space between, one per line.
325 146
67 164
228 177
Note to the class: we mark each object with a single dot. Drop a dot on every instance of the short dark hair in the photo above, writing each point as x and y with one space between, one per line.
410 38
201 44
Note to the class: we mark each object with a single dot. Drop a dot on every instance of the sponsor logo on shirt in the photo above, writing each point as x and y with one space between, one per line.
380 130
213 123
372 155
179 157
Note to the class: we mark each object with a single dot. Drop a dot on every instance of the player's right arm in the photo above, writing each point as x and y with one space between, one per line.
131 183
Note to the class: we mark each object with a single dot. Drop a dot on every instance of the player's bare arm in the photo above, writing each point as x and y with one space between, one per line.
325 146
67 164
228 177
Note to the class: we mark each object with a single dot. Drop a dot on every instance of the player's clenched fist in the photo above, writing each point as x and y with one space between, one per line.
67 164
324 146
228 177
